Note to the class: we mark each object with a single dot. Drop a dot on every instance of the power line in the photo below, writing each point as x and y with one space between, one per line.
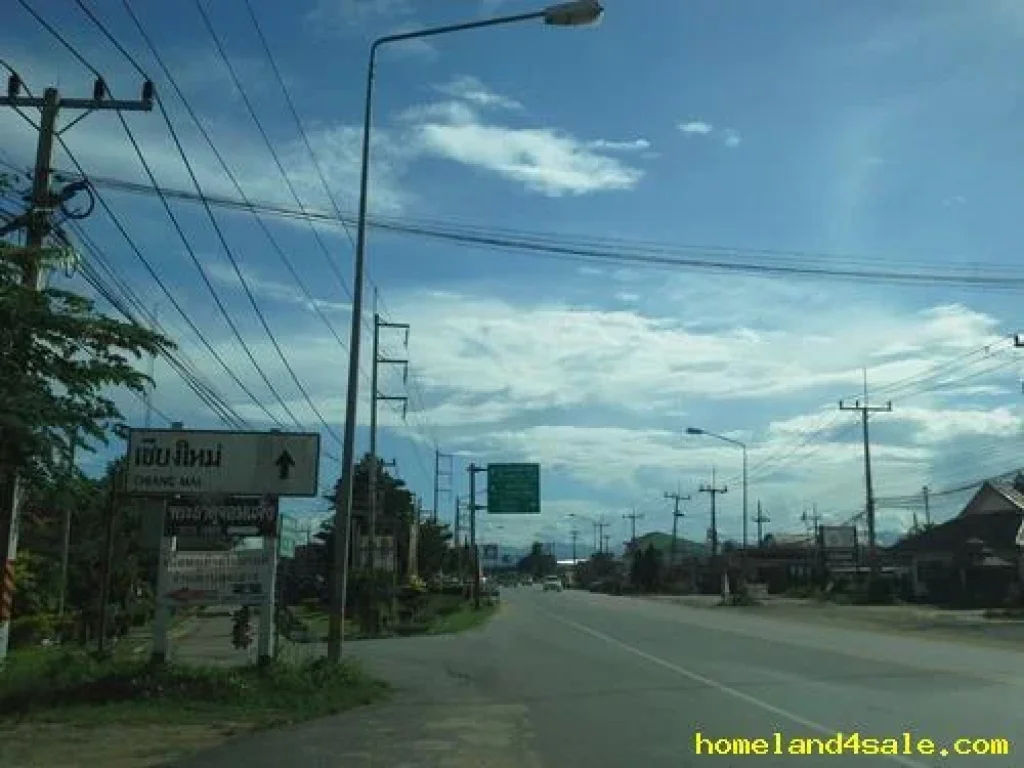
683 257
220 235
173 219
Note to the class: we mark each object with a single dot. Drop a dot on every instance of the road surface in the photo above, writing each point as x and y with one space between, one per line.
574 678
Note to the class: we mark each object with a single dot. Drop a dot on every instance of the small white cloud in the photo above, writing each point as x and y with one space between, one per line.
731 138
696 127
469 88
635 145
627 297
356 13
544 160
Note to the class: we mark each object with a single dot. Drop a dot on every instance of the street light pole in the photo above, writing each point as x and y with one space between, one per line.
569 14
743 446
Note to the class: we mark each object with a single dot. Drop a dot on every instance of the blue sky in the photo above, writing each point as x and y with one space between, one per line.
873 135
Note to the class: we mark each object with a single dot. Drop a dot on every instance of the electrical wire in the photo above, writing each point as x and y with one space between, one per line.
236 81
167 208
227 249
680 256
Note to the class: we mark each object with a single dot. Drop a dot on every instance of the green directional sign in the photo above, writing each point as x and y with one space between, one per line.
291 534
513 489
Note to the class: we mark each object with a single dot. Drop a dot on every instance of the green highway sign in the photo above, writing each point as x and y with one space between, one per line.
513 489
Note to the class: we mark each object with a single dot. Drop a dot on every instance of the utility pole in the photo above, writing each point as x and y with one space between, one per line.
108 559
633 517
474 470
438 474
574 533
927 508
601 525
676 514
869 495
65 546
37 224
375 397
761 519
713 490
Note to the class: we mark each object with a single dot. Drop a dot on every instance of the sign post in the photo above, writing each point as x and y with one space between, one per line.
513 489
216 485
163 462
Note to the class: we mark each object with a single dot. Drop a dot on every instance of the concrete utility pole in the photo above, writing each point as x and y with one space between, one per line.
65 544
761 519
713 490
440 473
116 478
676 514
869 495
633 517
37 224
927 507
474 470
375 397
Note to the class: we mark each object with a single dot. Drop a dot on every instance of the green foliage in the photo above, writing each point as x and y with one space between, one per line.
57 679
39 558
538 563
394 514
647 569
58 359
597 568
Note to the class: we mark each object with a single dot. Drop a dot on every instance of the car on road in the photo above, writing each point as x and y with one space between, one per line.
552 584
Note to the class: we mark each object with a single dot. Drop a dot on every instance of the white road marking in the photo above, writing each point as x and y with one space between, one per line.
722 688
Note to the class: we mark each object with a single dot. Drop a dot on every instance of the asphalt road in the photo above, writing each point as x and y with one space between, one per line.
574 678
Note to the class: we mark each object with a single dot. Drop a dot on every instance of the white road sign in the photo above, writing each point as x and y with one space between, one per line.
164 462
217 578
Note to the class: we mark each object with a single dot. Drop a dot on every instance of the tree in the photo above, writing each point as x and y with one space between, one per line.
394 513
433 548
538 563
59 358
646 569
600 566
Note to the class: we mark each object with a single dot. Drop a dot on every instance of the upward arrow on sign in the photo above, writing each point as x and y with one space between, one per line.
284 463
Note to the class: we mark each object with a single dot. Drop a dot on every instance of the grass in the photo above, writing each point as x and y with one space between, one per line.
441 615
462 620
121 711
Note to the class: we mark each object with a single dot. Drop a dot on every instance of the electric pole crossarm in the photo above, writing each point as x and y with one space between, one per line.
21 102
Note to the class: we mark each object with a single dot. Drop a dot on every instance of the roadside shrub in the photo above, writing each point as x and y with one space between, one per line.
33 629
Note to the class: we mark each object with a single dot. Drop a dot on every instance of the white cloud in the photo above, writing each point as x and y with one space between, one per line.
342 13
636 145
542 159
469 89
698 127
731 137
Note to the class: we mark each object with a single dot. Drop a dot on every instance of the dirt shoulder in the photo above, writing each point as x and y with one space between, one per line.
922 621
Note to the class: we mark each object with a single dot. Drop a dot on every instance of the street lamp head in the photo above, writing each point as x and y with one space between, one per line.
694 431
574 14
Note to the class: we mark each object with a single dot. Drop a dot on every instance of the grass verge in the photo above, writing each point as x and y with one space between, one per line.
122 712
462 620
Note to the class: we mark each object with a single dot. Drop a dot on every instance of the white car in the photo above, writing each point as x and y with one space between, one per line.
552 583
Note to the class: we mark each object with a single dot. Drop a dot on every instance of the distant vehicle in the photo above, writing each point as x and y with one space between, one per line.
552 583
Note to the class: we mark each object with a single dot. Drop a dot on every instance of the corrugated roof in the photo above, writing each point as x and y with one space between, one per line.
1011 494
996 529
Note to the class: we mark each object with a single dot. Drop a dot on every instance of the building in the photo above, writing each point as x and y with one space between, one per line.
973 558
